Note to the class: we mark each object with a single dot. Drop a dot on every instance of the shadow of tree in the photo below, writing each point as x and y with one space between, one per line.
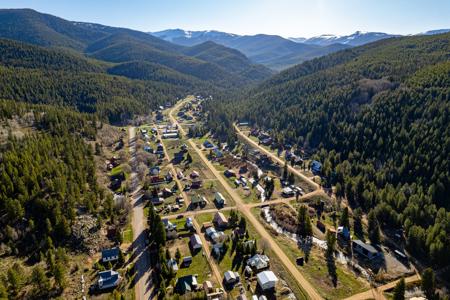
331 265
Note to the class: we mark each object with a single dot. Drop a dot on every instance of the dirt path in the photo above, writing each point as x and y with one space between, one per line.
143 281
245 210
276 158
377 293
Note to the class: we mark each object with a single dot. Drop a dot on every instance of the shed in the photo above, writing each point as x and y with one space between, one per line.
266 280
186 261
172 263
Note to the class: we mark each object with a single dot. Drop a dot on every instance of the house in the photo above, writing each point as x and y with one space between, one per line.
198 200
166 193
207 225
218 236
219 199
231 277
172 263
186 261
208 286
364 249
159 149
287 192
170 135
180 175
217 250
196 184
207 144
229 173
186 284
343 233
217 153
243 123
261 192
157 200
195 242
110 254
189 224
108 279
316 167
266 280
220 220
258 262
168 225
194 174
210 231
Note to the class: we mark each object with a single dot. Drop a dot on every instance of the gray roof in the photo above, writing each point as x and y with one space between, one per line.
368 247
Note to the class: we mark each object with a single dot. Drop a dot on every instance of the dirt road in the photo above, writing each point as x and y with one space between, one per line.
245 210
377 293
274 157
141 259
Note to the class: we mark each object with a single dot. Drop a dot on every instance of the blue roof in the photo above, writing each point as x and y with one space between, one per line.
316 166
108 277
208 144
110 252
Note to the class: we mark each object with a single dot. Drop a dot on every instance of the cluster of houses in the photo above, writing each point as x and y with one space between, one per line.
170 132
247 183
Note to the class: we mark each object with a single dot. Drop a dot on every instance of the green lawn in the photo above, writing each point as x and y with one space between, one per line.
198 266
128 234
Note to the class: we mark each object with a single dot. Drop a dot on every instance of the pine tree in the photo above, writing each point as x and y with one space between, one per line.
304 225
428 283
40 281
374 228
399 290
331 243
344 219
60 276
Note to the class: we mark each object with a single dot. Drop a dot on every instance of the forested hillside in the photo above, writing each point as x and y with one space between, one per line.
377 118
121 45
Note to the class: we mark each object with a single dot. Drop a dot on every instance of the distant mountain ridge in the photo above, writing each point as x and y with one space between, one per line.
275 51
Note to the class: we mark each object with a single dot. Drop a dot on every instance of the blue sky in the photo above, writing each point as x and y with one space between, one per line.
289 18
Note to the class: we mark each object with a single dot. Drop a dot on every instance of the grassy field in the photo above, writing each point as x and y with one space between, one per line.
316 270
128 234
199 264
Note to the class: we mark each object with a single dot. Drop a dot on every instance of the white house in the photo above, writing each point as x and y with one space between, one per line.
231 277
266 280
258 261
